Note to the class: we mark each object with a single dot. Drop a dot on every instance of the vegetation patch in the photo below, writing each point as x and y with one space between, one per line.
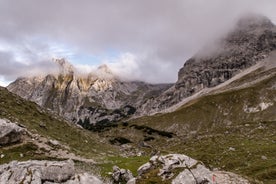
21 152
119 141
151 131
100 126
30 115
146 139
131 163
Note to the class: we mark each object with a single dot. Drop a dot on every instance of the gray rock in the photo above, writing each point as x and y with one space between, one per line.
116 173
132 181
85 179
168 164
121 175
228 178
193 171
47 172
263 157
10 132
199 174
54 142
144 168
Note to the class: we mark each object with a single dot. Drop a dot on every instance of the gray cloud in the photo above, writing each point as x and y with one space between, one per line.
161 34
11 69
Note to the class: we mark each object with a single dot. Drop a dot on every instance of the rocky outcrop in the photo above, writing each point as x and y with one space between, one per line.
99 97
47 172
193 171
10 132
181 169
252 40
121 175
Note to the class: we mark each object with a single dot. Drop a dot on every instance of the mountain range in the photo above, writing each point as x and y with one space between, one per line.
221 110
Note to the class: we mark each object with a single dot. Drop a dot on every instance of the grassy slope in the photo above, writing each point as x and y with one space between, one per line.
207 127
81 142
204 129
27 113
84 143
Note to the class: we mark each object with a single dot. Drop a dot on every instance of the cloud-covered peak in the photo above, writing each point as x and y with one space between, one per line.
103 71
253 21
104 68
64 66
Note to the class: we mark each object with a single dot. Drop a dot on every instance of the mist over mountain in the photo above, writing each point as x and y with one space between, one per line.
251 41
141 40
138 92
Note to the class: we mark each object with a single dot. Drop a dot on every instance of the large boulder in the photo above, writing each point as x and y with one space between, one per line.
10 132
47 172
181 169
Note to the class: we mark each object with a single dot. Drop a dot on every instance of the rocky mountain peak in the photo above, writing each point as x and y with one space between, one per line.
104 68
253 21
250 42
64 66
104 72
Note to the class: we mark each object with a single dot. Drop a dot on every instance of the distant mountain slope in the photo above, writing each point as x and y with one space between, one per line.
93 98
232 127
50 137
44 125
250 42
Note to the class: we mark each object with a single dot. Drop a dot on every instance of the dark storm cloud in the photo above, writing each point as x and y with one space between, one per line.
162 34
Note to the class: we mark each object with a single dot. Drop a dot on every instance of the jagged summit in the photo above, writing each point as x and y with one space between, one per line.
104 72
251 32
252 21
104 68
65 67
252 40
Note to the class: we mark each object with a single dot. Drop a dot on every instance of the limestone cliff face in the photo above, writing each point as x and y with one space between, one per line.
87 99
252 40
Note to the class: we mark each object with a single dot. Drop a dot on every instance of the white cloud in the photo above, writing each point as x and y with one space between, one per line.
126 66
82 69
159 34
3 82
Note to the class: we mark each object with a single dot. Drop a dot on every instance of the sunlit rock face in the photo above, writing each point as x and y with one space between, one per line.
87 99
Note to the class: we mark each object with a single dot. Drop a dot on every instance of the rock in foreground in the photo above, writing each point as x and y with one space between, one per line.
181 169
121 175
10 132
38 172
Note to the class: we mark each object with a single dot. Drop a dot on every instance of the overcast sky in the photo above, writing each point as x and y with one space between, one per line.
139 39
